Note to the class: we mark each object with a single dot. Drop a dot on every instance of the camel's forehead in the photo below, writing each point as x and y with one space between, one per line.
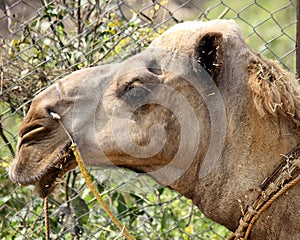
195 26
45 98
185 36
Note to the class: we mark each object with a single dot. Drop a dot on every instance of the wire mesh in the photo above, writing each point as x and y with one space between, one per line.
42 41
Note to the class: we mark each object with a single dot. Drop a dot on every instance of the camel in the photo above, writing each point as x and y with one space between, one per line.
198 111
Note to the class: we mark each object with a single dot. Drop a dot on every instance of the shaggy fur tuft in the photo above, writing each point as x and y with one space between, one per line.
275 90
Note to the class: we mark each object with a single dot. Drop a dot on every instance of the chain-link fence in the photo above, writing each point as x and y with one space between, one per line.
43 40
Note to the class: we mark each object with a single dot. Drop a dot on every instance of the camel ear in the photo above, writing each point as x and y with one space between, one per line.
209 54
197 39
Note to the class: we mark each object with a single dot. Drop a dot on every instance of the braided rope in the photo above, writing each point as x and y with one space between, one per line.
88 180
282 181
46 212
268 203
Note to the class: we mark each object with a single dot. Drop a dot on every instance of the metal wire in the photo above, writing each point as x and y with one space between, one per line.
42 41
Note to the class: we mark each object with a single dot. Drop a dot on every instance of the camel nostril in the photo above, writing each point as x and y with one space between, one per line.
30 129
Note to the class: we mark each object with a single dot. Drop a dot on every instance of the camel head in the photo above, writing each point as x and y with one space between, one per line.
188 111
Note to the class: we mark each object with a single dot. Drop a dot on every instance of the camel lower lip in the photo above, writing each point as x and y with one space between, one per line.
47 183
53 175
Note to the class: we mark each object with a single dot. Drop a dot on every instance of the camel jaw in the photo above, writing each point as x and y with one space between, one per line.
52 177
45 186
45 181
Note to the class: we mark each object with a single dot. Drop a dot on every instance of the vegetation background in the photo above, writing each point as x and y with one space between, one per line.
53 38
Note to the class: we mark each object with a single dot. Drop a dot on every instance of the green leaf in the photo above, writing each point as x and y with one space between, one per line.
81 210
4 199
163 222
121 204
137 199
182 224
52 10
60 29
160 191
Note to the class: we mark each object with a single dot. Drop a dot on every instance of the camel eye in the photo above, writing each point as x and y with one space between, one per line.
135 93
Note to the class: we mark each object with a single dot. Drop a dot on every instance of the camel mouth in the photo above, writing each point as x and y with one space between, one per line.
62 161
51 176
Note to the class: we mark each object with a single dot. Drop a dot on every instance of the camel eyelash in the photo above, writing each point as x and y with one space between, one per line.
134 89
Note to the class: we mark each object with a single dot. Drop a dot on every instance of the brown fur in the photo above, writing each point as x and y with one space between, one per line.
275 91
259 98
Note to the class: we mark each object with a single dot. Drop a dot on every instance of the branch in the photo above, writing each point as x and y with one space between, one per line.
7 143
